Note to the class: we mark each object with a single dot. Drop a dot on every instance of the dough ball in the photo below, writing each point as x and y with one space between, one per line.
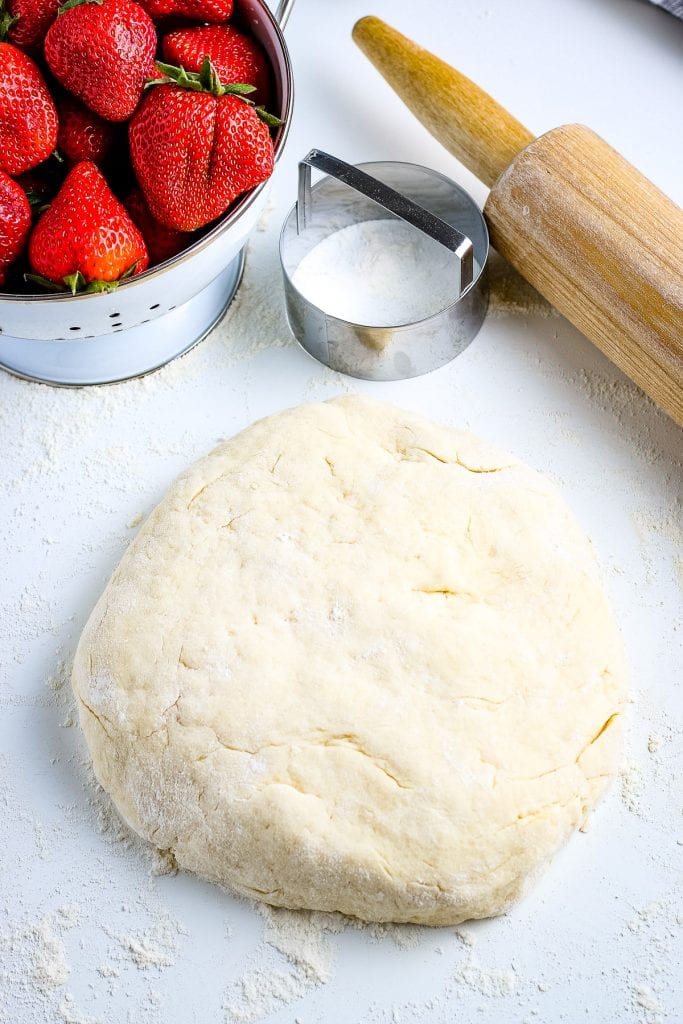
359 662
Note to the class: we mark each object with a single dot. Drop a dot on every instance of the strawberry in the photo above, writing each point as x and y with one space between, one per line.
15 222
194 152
162 243
25 22
28 118
102 51
214 11
83 135
236 57
86 239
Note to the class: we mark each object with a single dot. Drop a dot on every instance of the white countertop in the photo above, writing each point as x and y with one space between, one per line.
90 931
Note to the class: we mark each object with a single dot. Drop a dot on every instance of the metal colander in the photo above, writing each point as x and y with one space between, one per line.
150 319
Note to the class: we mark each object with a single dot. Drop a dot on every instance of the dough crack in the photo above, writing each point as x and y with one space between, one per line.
197 495
446 592
486 701
603 728
100 718
228 525
480 469
297 789
457 461
351 743
345 740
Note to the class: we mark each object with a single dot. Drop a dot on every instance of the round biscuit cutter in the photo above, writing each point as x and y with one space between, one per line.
428 201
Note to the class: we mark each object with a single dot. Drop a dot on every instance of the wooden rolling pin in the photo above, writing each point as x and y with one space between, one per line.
579 222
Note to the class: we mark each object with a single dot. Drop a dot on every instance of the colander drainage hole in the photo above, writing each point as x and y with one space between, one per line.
155 306
74 328
118 325
114 316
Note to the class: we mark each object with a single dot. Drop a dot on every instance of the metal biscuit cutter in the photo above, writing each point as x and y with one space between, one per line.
432 204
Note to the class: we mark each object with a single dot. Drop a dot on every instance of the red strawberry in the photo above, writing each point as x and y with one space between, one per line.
162 243
236 57
86 237
25 22
15 222
28 119
197 10
102 51
193 152
83 135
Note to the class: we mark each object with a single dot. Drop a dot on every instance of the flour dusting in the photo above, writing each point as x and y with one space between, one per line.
379 273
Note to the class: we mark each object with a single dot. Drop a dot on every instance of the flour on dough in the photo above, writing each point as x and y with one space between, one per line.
359 662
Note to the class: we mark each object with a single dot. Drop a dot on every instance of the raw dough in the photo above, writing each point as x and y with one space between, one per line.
356 661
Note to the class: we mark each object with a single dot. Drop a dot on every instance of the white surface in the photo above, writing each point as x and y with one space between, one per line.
599 938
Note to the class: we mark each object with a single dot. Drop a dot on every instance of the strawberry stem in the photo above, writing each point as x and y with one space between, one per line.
101 286
77 284
77 3
36 200
207 80
6 21
44 282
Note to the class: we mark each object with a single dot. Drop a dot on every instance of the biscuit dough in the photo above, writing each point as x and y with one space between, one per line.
359 662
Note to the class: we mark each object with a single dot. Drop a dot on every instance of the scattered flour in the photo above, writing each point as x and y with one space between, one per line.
153 948
466 936
632 785
645 1000
261 992
487 981
33 959
300 937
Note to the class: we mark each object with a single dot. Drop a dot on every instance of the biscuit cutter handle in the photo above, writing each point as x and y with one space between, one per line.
389 199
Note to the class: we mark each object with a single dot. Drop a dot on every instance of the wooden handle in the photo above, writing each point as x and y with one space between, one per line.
605 246
579 222
464 118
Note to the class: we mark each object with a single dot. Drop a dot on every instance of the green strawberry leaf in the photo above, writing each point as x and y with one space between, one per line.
75 282
49 286
131 270
77 3
97 287
177 76
207 80
36 200
237 89
270 119
6 21
208 77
